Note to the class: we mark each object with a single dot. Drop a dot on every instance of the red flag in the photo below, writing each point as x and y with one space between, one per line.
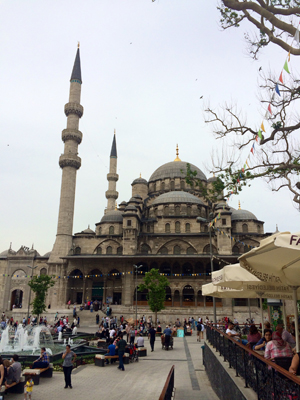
280 78
269 109
256 138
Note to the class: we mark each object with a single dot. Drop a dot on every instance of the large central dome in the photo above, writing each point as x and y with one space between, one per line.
175 169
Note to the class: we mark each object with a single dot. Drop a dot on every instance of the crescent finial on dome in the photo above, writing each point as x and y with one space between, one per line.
239 205
177 154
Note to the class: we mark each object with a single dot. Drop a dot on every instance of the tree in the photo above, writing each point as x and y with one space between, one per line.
40 285
274 19
156 285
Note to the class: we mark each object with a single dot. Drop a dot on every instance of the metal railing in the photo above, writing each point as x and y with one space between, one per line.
167 392
268 380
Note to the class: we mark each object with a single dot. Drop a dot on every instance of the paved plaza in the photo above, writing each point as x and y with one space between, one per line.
143 379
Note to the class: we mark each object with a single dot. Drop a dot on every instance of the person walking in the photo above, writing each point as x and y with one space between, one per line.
151 336
28 387
132 335
121 351
69 357
167 333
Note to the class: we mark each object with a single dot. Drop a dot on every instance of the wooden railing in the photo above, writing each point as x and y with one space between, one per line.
167 391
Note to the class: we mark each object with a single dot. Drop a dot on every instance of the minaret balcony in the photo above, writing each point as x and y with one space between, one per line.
111 194
69 160
74 108
71 134
112 177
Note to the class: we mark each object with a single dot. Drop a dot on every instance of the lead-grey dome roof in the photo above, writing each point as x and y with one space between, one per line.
112 216
175 169
139 181
238 215
7 252
177 197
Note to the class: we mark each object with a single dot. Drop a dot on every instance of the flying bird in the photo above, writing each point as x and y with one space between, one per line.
260 68
201 97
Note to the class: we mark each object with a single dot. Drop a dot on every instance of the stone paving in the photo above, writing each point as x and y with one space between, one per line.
144 379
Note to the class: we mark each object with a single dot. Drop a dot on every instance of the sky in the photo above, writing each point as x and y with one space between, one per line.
145 67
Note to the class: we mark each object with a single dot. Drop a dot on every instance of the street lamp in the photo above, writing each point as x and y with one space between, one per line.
32 268
136 269
200 219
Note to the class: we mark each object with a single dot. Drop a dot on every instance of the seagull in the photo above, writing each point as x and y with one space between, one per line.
130 42
201 97
260 68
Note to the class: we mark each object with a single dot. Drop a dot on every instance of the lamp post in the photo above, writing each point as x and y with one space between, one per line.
32 268
200 219
136 269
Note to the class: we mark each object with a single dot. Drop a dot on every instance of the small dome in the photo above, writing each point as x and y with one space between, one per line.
112 216
137 196
47 254
240 215
123 202
134 200
130 208
8 252
139 181
212 179
175 169
89 231
222 206
177 197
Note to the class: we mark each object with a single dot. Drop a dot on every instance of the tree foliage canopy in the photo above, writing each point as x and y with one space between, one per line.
40 285
275 21
156 285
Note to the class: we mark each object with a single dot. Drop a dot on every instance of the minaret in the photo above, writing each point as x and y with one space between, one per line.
112 177
69 162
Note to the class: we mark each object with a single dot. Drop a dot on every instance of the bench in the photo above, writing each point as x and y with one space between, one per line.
17 387
35 375
100 359
45 372
142 351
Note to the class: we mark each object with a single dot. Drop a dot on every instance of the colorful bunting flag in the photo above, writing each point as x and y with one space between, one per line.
277 89
259 133
280 78
286 67
262 127
269 109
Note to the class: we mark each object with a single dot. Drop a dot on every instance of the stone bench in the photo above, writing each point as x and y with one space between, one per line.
45 372
35 375
142 351
17 387
100 359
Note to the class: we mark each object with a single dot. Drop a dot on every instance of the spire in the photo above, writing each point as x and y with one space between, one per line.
177 154
239 205
113 152
76 73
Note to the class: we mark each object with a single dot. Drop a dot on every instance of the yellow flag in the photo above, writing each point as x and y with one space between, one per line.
289 56
262 127
247 164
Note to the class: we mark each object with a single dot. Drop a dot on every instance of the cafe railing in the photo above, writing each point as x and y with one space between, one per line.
268 380
167 392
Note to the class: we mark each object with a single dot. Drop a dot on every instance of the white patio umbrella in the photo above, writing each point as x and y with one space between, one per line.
277 260
236 277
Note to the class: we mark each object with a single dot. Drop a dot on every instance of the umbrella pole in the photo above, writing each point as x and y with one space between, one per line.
249 309
284 314
296 316
260 294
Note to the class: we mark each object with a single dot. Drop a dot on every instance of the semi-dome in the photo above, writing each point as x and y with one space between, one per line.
177 197
240 215
7 252
130 208
48 254
134 200
139 181
89 231
112 216
175 169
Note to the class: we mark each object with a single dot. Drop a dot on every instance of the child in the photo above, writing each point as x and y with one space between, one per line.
28 387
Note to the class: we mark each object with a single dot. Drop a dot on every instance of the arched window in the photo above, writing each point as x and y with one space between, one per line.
235 250
190 250
177 250
111 230
177 227
166 210
187 228
145 249
99 230
177 210
189 210
187 269
245 228
148 228
172 185
99 250
162 186
206 249
77 250
154 187
167 228
109 250
182 184
43 271
163 250
120 250
258 229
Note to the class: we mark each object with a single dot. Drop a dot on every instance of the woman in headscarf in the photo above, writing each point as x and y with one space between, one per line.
277 347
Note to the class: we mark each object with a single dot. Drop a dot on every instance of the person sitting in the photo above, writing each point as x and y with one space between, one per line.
261 344
42 361
140 341
111 350
158 330
254 336
277 347
13 372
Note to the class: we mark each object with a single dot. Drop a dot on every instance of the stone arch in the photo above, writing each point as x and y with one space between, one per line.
120 250
43 271
188 296
77 250
176 269
114 274
177 249
75 286
189 210
206 249
166 210
145 249
200 299
177 227
111 230
18 273
154 265
176 298
187 269
165 268
104 243
167 228
96 284
109 250
191 250
168 300
245 228
16 298
235 249
163 250
141 297
187 227
199 268
177 210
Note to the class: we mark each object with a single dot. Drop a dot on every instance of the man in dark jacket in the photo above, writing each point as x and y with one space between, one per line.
121 351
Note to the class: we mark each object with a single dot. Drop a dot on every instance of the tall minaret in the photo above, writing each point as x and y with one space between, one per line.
112 177
69 162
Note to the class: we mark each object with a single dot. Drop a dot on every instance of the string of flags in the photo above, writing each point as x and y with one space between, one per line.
268 114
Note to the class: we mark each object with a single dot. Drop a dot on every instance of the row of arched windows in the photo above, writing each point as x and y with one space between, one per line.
108 250
177 227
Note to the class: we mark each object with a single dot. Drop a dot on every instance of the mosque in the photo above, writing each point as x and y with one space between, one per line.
156 228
